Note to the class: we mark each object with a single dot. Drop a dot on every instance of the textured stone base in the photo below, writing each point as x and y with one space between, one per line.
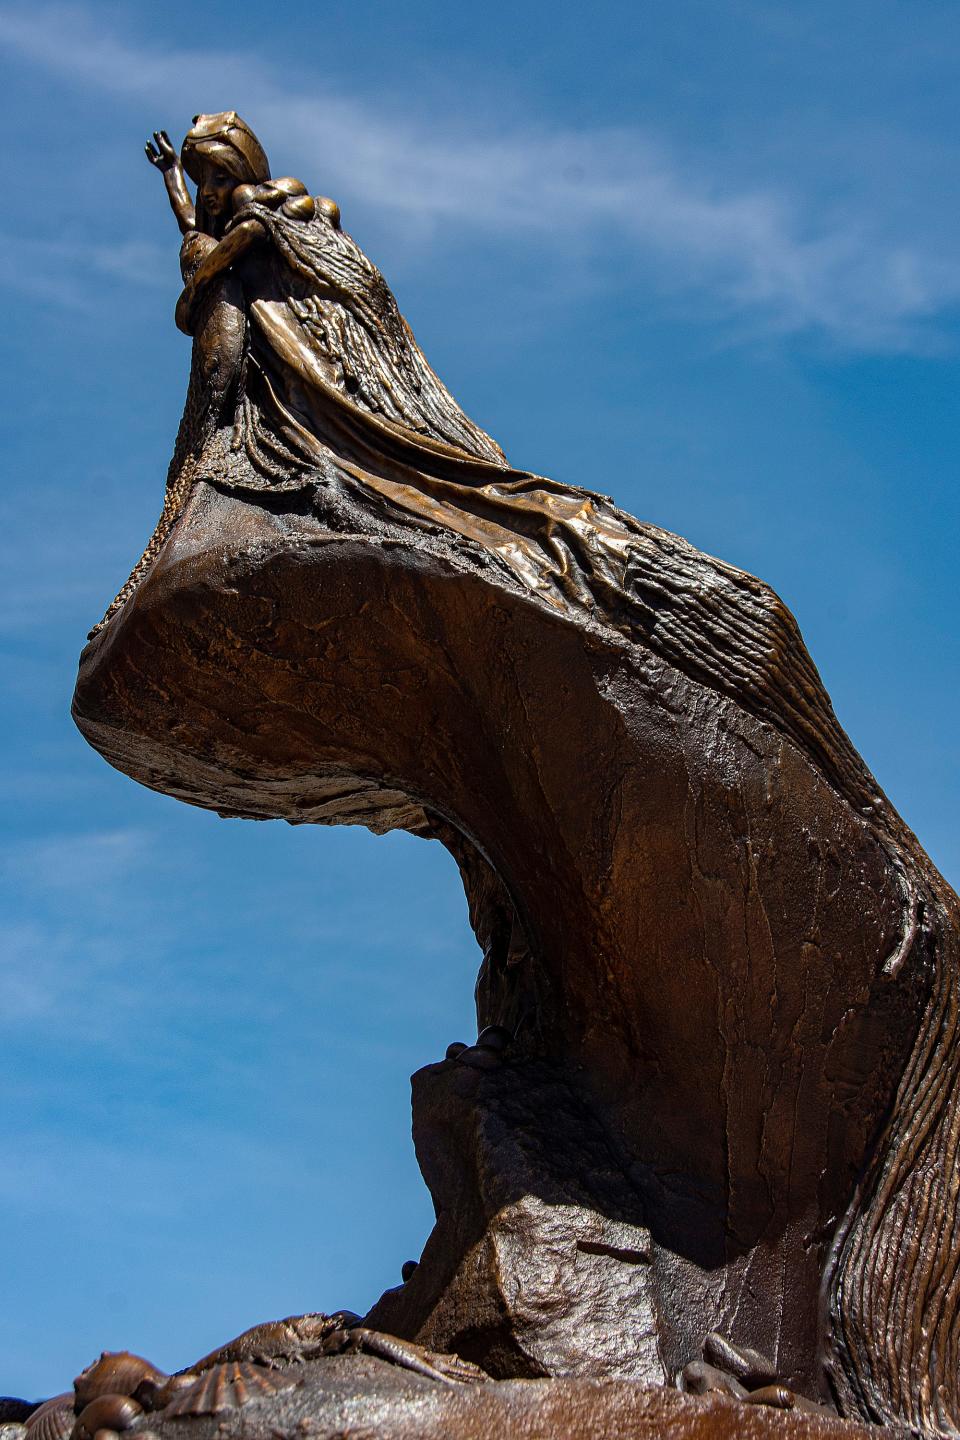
366 1399
539 1263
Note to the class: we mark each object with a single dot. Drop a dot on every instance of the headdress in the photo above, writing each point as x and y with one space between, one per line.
229 142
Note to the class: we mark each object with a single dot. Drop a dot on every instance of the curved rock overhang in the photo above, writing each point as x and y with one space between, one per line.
677 905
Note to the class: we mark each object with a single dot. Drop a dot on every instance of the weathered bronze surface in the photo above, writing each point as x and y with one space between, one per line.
708 1135
365 1398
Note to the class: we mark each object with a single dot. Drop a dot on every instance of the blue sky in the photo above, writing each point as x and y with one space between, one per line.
703 257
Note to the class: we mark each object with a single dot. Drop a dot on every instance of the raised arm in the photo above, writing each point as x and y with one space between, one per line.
164 158
230 248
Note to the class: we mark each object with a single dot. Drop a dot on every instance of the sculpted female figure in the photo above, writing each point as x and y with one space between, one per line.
303 368
306 376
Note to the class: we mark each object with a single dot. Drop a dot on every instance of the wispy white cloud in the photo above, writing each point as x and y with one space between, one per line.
72 865
62 958
770 253
60 271
164 1171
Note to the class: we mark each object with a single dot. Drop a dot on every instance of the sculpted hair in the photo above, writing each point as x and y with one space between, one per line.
894 1293
227 140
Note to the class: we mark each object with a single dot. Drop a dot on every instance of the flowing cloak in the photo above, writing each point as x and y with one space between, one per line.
332 396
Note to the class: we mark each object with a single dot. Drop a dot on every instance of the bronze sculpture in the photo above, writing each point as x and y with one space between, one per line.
354 610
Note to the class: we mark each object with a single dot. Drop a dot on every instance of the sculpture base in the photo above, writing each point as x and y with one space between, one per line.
369 1399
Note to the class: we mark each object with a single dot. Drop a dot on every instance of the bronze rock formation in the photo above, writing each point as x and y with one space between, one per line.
727 970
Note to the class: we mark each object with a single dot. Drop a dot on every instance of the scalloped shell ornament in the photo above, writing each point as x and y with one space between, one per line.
53 1420
227 1387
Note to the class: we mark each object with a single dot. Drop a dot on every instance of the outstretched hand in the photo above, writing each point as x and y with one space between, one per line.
160 152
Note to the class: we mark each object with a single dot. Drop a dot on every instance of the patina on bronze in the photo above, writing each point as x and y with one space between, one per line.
707 1137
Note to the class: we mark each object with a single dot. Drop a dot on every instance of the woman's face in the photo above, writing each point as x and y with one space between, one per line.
215 189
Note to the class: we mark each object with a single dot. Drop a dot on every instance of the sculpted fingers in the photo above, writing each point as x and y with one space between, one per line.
159 151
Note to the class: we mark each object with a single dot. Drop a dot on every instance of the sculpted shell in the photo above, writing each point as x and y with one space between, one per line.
52 1420
227 1387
